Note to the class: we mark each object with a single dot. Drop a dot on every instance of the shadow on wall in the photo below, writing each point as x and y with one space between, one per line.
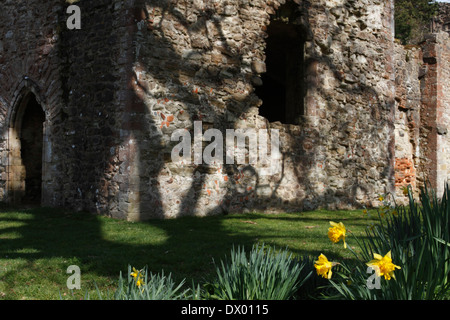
141 140
189 94
174 84
120 149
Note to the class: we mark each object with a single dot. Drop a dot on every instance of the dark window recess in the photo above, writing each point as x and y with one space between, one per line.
283 89
31 141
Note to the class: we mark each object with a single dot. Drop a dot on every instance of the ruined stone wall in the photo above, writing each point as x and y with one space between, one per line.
200 61
3 154
429 107
115 91
408 60
95 76
76 78
28 63
443 112
422 114
434 113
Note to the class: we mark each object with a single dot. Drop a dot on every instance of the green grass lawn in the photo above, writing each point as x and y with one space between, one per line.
38 245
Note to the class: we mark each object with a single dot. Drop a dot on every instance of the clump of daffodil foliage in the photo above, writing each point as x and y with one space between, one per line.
263 274
405 256
144 285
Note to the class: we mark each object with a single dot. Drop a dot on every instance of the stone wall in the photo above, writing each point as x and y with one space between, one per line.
201 61
407 119
97 102
3 154
443 112
76 78
28 64
116 91
435 99
422 114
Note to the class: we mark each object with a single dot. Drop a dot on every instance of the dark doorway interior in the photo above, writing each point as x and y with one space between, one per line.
283 87
31 140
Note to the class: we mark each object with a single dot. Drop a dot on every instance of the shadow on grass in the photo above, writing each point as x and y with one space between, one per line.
185 247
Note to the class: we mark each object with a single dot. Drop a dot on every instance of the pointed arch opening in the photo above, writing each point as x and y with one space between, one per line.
26 143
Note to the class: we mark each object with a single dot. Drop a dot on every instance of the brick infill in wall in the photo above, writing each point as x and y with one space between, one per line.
405 172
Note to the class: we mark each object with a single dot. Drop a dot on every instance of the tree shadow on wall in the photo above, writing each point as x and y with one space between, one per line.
137 140
193 84
189 83
168 89
355 136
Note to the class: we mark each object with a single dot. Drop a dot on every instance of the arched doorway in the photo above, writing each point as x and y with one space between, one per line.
26 152
283 89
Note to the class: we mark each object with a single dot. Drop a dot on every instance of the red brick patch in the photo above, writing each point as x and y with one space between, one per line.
405 172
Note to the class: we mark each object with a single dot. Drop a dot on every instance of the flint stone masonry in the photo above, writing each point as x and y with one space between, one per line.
115 91
422 114
409 71
436 108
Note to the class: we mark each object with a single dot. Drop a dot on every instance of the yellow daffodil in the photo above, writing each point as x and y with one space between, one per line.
365 211
135 274
337 232
139 282
383 265
381 198
323 266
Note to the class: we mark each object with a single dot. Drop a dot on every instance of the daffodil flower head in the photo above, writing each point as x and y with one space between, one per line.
137 277
323 266
139 282
383 266
135 274
337 232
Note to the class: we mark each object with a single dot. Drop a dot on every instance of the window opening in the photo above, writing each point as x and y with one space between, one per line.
283 90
